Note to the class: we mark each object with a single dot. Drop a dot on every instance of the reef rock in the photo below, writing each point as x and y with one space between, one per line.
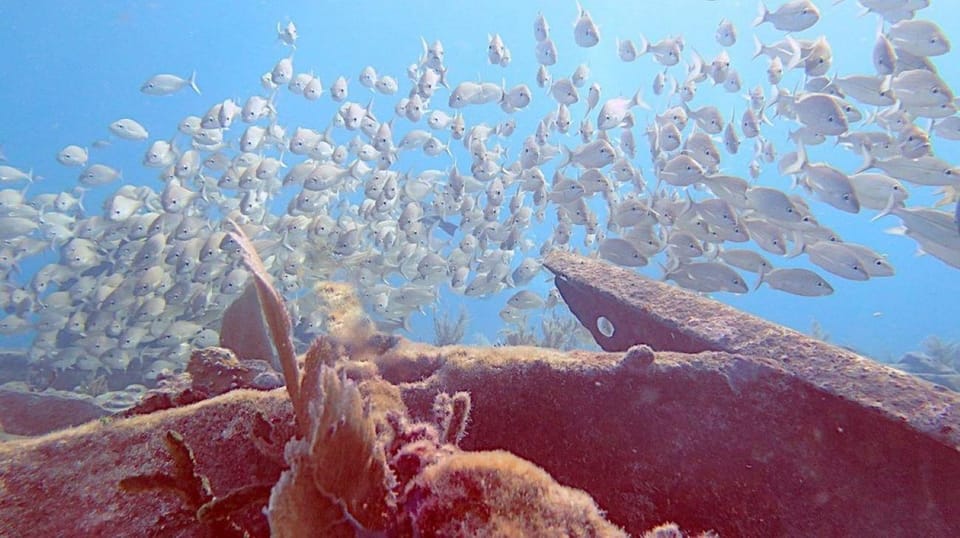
67 483
26 412
716 441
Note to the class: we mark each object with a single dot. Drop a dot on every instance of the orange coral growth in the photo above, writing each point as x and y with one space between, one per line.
495 493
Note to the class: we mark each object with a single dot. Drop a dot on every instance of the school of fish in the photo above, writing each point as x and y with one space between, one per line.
148 278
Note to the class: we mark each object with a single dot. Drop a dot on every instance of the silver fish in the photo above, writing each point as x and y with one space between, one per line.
585 31
792 16
796 281
165 84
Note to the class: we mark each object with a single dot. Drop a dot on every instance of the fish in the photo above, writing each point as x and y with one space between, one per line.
772 203
884 56
726 34
368 77
621 252
546 53
386 85
128 129
615 112
150 274
9 174
287 33
166 84
541 28
707 277
72 155
525 300
797 281
339 89
98 174
919 37
837 259
868 89
496 49
822 113
792 16
919 87
585 31
564 91
626 50
745 259
596 154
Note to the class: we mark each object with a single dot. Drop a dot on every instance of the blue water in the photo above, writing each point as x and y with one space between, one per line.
71 68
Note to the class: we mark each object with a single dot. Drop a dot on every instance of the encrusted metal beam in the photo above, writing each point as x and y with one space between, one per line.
668 318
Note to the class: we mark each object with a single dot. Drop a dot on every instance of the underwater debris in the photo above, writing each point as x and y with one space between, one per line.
668 318
448 332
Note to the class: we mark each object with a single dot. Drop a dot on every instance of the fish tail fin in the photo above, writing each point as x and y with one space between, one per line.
799 247
761 280
897 230
763 14
79 191
638 100
802 159
757 46
869 161
193 82
443 77
796 57
354 170
888 209
643 46
425 56
567 156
